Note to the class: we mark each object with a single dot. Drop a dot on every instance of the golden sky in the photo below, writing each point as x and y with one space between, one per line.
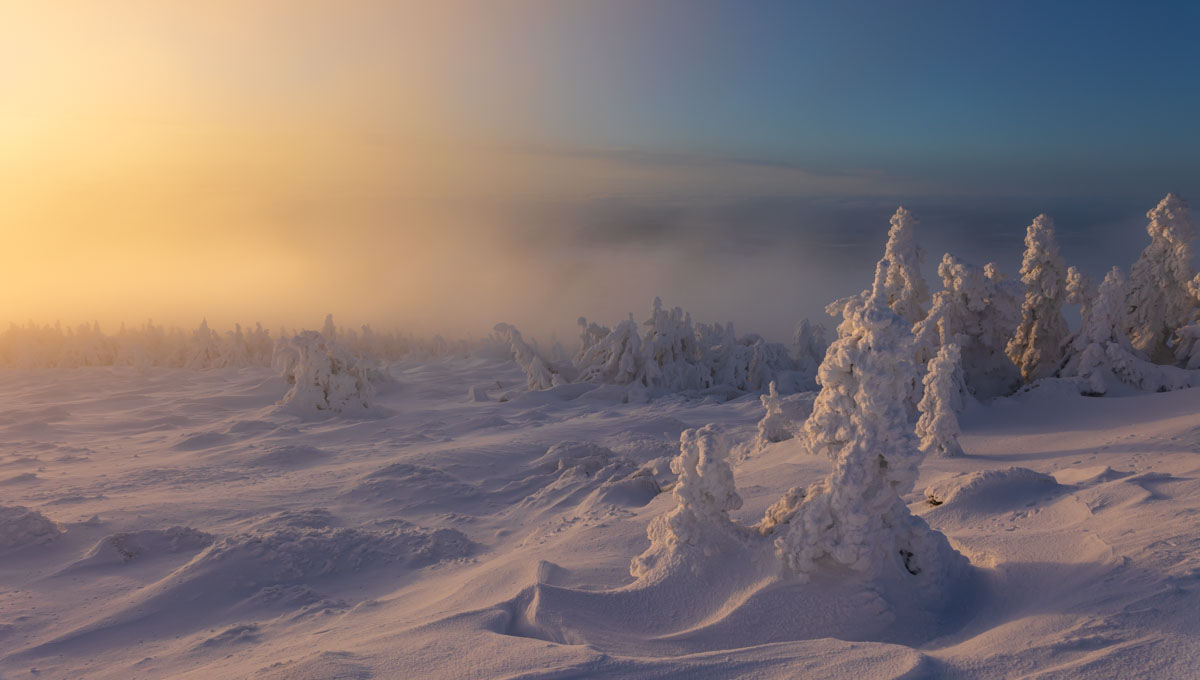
274 160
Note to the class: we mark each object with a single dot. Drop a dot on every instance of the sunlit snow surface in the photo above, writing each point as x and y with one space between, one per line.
176 523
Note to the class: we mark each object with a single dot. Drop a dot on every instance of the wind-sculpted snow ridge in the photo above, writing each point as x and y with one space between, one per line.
324 377
21 526
856 517
668 354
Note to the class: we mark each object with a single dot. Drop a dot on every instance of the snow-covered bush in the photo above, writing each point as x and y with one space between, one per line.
856 517
945 396
1100 352
1159 301
978 310
907 292
324 377
774 426
1037 346
538 374
705 492
615 359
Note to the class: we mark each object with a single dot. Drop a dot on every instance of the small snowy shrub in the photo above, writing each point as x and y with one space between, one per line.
705 493
945 395
1159 301
324 377
1036 348
774 426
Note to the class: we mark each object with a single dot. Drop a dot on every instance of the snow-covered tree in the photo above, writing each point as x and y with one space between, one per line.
589 335
324 377
1159 302
856 516
1037 346
809 342
1100 353
978 310
538 373
615 359
907 292
774 426
705 492
1081 290
945 396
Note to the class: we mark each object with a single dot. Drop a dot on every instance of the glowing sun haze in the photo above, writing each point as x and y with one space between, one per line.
446 165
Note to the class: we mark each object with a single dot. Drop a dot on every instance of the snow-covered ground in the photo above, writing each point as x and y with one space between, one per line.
179 523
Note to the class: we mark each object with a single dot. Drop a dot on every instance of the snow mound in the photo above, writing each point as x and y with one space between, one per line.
410 486
587 475
290 456
21 526
992 490
126 547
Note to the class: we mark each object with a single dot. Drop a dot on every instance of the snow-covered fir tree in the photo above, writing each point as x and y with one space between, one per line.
705 493
907 292
1037 346
944 398
1159 302
538 373
324 376
856 516
1100 354
979 310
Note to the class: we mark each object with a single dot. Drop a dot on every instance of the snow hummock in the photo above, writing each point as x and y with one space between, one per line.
21 526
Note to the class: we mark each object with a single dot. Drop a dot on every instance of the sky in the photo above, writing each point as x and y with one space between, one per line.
442 166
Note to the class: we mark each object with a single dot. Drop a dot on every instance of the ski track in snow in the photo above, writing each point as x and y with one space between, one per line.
174 523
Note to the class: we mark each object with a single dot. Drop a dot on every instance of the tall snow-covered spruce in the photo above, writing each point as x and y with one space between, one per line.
700 522
856 516
907 292
945 396
1037 346
1159 302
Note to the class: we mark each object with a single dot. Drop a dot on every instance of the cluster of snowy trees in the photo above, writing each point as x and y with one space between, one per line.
151 345
669 353
324 376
